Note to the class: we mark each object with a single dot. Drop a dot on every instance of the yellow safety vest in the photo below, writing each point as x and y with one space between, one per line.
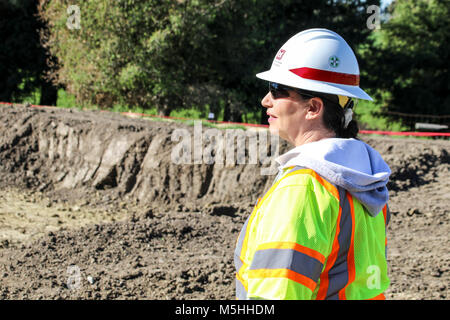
308 239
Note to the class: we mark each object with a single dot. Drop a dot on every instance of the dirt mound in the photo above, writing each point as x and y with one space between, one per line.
62 151
93 206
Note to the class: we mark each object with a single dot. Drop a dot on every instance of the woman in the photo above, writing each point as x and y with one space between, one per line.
320 231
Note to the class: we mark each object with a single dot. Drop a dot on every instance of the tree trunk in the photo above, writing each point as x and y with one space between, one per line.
49 94
164 111
226 112
236 116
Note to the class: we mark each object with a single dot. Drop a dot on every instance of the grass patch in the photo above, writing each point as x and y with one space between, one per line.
65 99
136 109
366 114
188 113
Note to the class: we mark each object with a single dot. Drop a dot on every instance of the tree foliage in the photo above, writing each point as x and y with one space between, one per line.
23 61
179 54
128 51
248 34
406 61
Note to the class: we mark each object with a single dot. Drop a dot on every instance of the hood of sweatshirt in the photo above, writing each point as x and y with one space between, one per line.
348 163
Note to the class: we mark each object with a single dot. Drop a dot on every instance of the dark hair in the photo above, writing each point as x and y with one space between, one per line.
333 117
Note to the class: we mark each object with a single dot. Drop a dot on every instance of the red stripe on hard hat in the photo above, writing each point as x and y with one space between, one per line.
327 76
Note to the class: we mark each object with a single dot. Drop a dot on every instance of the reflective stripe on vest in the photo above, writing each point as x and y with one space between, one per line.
339 270
289 260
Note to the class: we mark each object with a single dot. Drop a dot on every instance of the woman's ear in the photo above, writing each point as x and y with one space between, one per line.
314 109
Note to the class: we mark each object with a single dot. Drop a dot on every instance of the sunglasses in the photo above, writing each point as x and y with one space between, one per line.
281 91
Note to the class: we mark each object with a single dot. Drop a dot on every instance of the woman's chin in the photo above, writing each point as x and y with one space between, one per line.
273 129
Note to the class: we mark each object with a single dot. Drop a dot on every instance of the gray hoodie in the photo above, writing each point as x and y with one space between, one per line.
348 163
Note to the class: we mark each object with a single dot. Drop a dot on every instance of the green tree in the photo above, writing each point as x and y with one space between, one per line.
23 61
128 51
406 61
183 54
248 33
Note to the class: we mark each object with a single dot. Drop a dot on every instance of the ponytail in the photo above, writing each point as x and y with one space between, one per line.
350 132
349 127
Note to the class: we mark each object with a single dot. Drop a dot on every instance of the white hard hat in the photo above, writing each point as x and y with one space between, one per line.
317 60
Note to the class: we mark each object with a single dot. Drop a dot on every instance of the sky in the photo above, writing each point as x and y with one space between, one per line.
385 3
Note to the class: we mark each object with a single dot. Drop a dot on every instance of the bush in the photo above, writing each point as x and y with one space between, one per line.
406 61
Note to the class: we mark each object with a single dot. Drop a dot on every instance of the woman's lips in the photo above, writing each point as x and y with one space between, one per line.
271 117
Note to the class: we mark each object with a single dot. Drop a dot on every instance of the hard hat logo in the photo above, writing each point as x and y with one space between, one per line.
333 61
280 54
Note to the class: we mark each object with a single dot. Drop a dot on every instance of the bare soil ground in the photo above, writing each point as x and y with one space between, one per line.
93 207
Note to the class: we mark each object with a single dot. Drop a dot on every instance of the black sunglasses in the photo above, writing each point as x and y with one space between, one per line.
281 91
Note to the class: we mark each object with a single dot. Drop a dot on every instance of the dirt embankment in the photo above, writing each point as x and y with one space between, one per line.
95 205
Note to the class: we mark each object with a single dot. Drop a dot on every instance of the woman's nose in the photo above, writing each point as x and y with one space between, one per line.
267 101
